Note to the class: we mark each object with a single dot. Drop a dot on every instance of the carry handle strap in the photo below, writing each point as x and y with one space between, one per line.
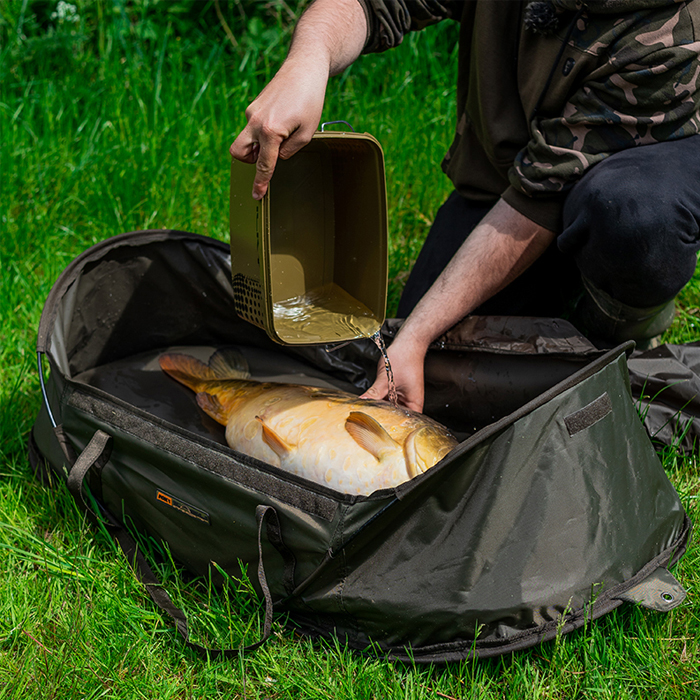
163 600
263 514
86 459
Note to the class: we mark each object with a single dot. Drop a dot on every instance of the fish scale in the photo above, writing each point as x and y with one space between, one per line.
329 437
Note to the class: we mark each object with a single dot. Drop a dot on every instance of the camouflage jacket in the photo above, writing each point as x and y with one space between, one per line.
536 110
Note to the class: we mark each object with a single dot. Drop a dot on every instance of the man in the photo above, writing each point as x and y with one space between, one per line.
576 153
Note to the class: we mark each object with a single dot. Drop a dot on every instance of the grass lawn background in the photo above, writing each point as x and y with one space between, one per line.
115 116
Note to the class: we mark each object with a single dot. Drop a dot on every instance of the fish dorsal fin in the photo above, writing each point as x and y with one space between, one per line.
211 405
369 434
277 444
185 369
229 363
188 370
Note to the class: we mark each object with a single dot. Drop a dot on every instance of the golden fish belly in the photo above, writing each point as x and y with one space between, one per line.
329 437
316 443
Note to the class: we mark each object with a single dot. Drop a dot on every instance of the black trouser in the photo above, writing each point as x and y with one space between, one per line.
631 226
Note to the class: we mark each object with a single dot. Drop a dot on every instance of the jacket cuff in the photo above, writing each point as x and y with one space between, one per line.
371 25
544 211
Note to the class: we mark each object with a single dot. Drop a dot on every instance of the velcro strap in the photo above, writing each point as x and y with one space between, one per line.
589 415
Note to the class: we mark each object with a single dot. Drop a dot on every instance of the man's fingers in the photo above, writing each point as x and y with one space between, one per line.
245 147
296 141
379 392
261 146
375 392
268 152
267 159
411 404
264 155
380 388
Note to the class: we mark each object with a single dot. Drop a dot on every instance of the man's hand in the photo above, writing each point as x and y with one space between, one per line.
282 119
406 355
499 249
329 36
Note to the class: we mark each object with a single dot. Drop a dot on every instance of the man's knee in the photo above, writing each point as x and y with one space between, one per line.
633 223
618 231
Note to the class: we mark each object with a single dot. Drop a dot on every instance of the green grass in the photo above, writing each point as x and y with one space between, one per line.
108 127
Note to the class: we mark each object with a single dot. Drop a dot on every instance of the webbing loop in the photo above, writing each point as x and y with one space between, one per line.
265 516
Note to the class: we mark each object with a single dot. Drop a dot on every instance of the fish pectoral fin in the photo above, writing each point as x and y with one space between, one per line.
414 463
277 444
370 435
211 405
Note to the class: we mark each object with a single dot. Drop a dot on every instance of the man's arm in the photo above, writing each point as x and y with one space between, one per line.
499 249
329 36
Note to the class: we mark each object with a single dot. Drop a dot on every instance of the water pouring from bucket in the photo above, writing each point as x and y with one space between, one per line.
309 317
309 260
391 393
322 313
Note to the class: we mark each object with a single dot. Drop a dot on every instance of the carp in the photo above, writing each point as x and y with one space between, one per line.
330 437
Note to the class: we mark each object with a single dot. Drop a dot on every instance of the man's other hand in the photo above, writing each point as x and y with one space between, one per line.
282 119
406 356
284 116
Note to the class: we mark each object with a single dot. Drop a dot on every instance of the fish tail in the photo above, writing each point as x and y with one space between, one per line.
186 369
194 374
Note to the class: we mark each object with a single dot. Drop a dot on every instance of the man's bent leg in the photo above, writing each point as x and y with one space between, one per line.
632 224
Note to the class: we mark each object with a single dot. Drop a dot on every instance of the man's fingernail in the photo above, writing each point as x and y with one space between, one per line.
256 195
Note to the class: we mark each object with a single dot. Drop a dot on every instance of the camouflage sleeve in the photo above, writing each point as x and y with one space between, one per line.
646 91
389 20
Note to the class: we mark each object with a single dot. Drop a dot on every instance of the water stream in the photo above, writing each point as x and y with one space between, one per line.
326 313
379 342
